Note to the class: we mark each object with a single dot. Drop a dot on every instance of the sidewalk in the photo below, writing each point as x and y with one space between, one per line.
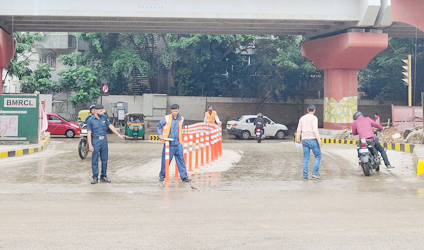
23 149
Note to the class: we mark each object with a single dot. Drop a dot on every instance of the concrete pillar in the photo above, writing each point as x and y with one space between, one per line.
340 57
7 50
409 11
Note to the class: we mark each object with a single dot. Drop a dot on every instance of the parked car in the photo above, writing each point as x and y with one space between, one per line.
243 127
61 126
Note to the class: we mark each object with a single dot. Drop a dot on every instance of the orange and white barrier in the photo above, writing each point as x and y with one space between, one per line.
202 145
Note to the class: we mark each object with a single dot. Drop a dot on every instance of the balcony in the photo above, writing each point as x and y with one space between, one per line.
58 40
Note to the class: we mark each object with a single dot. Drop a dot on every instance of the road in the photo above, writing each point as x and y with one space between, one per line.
253 197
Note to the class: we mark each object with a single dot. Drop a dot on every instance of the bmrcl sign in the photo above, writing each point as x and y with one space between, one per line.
20 103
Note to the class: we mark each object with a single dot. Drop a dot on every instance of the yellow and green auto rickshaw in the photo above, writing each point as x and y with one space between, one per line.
82 114
134 125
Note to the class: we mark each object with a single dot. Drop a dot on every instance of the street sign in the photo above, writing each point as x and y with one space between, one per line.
105 89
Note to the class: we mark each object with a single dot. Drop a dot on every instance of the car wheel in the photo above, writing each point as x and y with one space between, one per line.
70 133
279 135
245 134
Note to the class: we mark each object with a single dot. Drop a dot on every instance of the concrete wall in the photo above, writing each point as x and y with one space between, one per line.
193 107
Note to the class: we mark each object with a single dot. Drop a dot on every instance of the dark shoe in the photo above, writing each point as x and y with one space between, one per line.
105 179
94 181
161 179
305 178
316 176
186 180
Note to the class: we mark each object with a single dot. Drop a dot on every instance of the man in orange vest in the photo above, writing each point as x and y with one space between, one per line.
211 116
171 126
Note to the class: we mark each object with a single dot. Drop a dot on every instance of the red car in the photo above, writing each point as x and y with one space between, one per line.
61 126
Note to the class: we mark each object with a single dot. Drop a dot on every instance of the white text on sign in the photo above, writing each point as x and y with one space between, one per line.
20 103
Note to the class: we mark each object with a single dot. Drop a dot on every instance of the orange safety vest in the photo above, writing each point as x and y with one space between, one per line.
166 129
210 118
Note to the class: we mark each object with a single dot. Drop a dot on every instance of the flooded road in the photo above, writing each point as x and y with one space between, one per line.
253 197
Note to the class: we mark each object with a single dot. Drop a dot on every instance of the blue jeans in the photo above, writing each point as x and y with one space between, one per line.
100 148
309 144
176 150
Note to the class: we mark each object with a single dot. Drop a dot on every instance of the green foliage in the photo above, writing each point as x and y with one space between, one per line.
24 50
115 56
39 80
382 78
81 79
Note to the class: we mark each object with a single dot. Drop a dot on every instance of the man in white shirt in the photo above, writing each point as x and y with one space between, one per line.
308 131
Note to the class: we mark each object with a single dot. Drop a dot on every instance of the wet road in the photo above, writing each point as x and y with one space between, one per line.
253 197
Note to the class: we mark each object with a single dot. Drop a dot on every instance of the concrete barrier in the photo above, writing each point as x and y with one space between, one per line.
19 151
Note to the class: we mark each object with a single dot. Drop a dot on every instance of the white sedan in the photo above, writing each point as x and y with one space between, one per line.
244 127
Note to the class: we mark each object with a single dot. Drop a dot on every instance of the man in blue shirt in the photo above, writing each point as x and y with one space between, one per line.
171 126
97 142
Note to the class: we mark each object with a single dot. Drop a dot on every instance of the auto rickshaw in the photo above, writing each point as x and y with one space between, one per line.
134 125
82 114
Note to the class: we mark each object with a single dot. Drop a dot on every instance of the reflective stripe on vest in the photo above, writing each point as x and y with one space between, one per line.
210 118
166 129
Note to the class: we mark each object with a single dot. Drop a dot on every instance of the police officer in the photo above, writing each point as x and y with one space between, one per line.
171 126
97 142
89 115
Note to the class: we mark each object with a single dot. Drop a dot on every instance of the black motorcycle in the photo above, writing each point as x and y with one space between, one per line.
369 157
83 144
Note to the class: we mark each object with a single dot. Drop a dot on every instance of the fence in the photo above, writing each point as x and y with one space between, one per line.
202 145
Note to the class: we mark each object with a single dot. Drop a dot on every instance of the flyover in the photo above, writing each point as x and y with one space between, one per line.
341 36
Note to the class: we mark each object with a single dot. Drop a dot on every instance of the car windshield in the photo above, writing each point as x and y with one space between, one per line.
66 120
240 118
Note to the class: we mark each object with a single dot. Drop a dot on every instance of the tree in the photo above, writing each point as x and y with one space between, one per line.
39 80
114 56
81 79
300 74
382 78
25 43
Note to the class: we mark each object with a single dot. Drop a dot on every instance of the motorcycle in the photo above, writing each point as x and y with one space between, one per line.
83 144
369 157
258 135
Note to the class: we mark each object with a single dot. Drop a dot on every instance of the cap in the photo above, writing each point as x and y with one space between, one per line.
312 107
98 106
175 106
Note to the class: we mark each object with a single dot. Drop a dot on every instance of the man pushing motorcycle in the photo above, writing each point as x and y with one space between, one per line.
362 126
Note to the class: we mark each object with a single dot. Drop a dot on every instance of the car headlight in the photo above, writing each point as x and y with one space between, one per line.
75 126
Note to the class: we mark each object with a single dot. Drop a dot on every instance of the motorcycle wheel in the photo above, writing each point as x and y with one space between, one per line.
136 138
377 168
83 148
367 168
259 139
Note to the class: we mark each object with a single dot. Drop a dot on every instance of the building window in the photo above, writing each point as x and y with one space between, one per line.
49 59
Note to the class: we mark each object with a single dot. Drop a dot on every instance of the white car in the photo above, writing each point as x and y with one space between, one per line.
244 127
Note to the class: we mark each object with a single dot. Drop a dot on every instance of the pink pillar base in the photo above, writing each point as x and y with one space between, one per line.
7 50
340 97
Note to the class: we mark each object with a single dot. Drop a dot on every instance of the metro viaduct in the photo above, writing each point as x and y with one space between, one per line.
341 36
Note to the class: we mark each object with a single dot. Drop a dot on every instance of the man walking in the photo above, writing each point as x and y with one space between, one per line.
97 142
308 131
171 126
